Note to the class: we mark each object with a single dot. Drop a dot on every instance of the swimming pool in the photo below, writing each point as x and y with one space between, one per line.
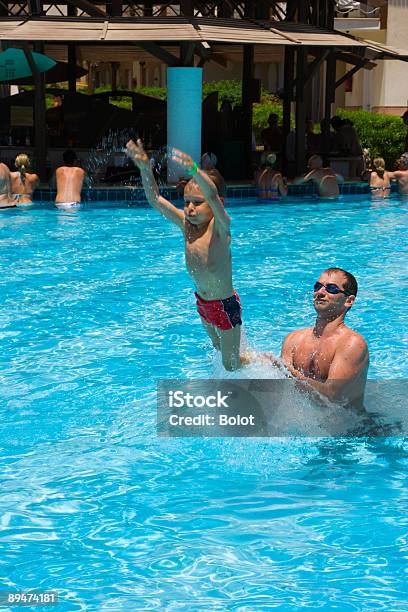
97 305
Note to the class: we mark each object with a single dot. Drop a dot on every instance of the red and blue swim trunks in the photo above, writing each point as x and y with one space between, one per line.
224 314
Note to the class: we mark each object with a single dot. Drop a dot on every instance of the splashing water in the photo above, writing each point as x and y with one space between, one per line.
111 151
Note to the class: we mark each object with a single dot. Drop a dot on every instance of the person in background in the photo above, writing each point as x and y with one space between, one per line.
345 141
313 141
272 135
23 183
208 163
325 179
290 150
69 180
380 185
404 117
56 101
401 174
270 182
6 200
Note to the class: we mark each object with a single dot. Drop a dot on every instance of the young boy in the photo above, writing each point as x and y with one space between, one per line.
206 229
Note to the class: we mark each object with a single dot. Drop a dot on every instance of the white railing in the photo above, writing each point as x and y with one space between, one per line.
351 8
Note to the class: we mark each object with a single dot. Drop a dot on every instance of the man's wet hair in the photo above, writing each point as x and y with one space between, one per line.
404 160
350 286
69 156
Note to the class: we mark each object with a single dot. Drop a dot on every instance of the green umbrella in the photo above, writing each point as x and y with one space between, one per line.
14 64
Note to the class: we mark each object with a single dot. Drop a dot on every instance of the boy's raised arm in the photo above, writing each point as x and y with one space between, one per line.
138 155
206 185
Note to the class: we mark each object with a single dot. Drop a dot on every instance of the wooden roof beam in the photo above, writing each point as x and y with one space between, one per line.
349 58
203 49
162 54
349 74
187 53
87 7
312 67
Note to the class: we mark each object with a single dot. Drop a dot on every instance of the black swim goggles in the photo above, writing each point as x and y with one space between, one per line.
330 288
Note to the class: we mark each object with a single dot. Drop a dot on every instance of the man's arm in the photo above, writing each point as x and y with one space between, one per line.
282 186
139 156
5 181
209 190
287 349
349 362
299 180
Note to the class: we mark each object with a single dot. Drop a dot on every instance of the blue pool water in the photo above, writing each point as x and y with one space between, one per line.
95 307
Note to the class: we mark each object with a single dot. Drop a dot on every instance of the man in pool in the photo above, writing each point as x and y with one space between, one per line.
330 357
6 200
69 180
206 229
401 175
325 179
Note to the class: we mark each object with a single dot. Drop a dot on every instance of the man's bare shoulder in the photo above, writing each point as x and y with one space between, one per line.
79 170
298 334
69 170
352 341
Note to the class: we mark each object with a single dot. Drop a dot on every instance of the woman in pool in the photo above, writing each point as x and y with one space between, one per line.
270 182
380 185
23 183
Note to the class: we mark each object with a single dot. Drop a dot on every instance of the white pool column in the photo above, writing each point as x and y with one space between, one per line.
184 103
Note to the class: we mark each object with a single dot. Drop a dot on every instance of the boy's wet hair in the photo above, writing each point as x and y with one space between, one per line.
217 179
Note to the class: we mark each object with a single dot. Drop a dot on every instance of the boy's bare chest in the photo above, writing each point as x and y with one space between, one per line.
205 250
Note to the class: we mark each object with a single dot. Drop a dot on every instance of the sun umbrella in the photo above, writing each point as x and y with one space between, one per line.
14 64
57 74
